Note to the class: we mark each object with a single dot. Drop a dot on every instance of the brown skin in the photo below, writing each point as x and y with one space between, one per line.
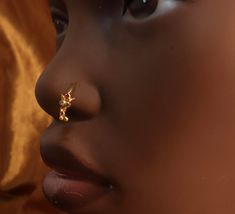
156 104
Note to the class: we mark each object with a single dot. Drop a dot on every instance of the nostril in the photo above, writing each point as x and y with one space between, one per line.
87 103
74 116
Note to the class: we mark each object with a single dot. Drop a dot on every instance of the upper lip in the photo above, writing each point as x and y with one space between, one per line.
64 162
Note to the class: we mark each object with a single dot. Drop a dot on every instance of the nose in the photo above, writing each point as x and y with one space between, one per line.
76 64
50 87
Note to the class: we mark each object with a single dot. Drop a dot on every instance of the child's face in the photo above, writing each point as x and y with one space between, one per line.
155 107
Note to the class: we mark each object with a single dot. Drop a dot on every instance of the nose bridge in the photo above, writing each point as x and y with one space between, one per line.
110 8
91 32
91 23
99 8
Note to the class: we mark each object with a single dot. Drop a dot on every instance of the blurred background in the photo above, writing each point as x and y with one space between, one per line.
27 43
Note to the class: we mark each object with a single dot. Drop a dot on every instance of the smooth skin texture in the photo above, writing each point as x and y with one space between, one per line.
155 107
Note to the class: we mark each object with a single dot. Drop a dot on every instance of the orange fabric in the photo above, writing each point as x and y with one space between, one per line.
26 44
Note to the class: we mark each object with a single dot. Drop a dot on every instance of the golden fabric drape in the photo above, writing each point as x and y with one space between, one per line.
26 44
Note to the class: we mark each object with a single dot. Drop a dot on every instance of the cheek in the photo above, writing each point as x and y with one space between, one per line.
184 95
182 72
158 80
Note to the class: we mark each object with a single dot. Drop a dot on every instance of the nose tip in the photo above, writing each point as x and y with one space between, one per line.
85 105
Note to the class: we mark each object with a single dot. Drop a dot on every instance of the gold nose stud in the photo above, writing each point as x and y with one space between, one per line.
65 103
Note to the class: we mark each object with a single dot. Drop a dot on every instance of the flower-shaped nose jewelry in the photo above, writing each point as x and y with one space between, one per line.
65 103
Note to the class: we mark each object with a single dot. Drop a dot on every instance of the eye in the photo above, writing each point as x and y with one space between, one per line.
60 20
140 8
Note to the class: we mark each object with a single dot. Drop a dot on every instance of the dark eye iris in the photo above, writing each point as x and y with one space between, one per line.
141 8
60 21
60 25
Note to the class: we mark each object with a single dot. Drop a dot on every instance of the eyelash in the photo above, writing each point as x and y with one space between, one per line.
60 21
136 8
140 8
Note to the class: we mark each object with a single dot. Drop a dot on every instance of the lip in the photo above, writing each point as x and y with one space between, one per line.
71 185
69 194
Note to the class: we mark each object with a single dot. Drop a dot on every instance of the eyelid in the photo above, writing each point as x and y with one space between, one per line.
58 12
164 7
62 17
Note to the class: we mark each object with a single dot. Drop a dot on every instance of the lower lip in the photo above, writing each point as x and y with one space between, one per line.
70 194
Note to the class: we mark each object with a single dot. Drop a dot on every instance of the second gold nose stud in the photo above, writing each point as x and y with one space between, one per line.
65 103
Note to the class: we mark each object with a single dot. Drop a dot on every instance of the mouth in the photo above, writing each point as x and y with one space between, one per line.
71 185
72 194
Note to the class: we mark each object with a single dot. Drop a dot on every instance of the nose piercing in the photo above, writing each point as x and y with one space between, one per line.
65 103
